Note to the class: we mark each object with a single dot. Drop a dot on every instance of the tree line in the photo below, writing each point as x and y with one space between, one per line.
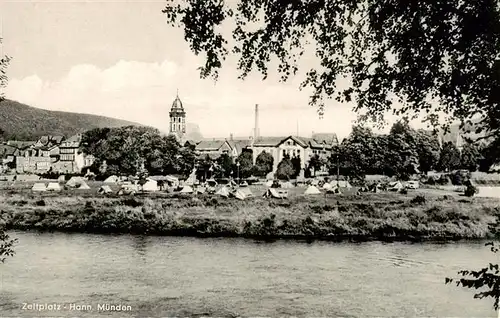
405 151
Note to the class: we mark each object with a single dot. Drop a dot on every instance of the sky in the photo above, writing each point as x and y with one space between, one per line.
121 59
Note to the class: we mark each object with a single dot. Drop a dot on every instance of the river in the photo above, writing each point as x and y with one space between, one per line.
172 276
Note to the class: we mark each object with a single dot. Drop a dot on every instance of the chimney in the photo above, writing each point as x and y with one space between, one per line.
231 137
256 128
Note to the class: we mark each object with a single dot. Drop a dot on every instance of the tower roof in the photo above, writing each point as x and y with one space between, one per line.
177 104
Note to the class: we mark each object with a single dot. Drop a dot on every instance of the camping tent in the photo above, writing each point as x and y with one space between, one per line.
212 183
201 190
246 191
39 187
74 182
287 185
270 176
187 189
111 179
150 185
276 193
244 184
192 178
312 190
61 179
105 189
269 183
83 186
327 186
335 190
240 195
341 184
53 186
395 186
223 192
315 182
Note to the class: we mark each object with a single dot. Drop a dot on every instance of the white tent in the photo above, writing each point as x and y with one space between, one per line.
269 183
312 190
105 189
150 186
395 186
53 186
223 192
187 189
287 185
270 176
201 190
111 179
61 178
39 187
335 190
192 178
315 182
240 195
75 182
244 184
212 182
83 186
341 184
276 193
248 193
327 186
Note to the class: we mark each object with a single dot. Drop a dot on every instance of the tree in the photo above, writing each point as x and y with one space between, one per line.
245 160
285 169
429 56
315 163
6 243
401 151
428 151
486 278
264 164
297 166
449 158
470 157
225 162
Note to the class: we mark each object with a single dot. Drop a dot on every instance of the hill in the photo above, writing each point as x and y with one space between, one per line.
23 122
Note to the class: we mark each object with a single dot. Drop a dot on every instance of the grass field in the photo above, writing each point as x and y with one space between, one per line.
422 214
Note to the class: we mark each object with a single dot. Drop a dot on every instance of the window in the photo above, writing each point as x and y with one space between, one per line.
298 152
284 152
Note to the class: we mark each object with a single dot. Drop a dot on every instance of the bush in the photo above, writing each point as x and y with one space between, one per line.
443 180
471 190
419 199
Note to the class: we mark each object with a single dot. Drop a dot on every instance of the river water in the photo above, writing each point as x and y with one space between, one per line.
172 276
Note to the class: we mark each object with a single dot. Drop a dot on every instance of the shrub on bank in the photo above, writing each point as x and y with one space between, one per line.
379 216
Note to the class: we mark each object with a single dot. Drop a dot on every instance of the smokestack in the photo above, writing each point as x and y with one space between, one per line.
256 128
231 137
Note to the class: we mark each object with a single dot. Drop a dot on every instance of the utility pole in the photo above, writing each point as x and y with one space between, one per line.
338 168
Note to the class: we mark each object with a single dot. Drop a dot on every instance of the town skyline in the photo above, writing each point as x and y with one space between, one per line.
62 60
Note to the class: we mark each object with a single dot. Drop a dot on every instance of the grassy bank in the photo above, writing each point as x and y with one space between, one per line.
369 216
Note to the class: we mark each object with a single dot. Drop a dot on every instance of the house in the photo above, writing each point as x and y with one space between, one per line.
293 146
213 148
34 161
71 158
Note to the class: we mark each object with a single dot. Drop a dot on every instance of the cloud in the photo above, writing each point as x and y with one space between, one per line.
143 92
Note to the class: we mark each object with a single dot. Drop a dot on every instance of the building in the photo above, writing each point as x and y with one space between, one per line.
35 160
177 118
293 146
71 159
213 149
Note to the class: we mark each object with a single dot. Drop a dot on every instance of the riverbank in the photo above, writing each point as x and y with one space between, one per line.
381 216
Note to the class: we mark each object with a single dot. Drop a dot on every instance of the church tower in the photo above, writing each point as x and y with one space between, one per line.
177 118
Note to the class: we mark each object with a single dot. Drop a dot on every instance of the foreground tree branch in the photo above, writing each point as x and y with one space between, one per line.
430 56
